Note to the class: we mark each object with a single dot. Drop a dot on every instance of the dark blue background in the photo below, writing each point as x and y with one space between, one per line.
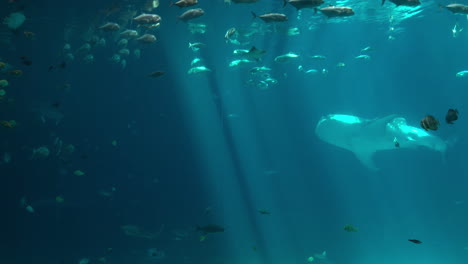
177 129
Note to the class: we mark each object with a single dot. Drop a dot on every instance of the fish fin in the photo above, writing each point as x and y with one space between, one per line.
253 14
383 2
285 2
365 157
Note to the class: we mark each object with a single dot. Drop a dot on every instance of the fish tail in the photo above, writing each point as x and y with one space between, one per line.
383 2
315 10
285 2
253 14
171 4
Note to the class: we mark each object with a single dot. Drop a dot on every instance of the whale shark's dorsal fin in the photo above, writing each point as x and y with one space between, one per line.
381 123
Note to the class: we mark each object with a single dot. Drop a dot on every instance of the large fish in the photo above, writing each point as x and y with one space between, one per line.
456 8
336 11
299 4
271 17
404 2
147 19
184 3
365 137
191 14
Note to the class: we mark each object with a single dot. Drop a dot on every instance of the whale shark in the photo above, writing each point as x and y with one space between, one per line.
365 137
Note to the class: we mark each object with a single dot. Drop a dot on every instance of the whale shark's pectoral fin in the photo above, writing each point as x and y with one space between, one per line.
366 159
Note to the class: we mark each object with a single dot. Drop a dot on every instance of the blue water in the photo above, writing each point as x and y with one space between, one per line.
168 154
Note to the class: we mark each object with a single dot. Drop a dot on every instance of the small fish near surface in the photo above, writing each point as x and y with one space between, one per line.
254 54
271 17
404 2
184 3
196 46
255 70
191 14
299 4
452 115
235 63
336 11
415 241
318 57
198 69
230 33
286 57
456 8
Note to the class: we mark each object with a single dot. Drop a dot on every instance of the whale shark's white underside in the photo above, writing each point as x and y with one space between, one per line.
364 137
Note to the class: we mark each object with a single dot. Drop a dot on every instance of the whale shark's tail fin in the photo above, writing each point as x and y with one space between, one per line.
449 143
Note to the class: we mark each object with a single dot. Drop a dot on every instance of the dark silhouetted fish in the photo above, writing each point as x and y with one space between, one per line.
156 74
429 123
207 229
452 115
254 54
299 4
404 2
26 61
191 14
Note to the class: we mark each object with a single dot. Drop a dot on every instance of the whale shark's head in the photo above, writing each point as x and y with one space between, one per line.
409 136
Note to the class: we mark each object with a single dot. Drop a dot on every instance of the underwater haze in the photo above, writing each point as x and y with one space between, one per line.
233 131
